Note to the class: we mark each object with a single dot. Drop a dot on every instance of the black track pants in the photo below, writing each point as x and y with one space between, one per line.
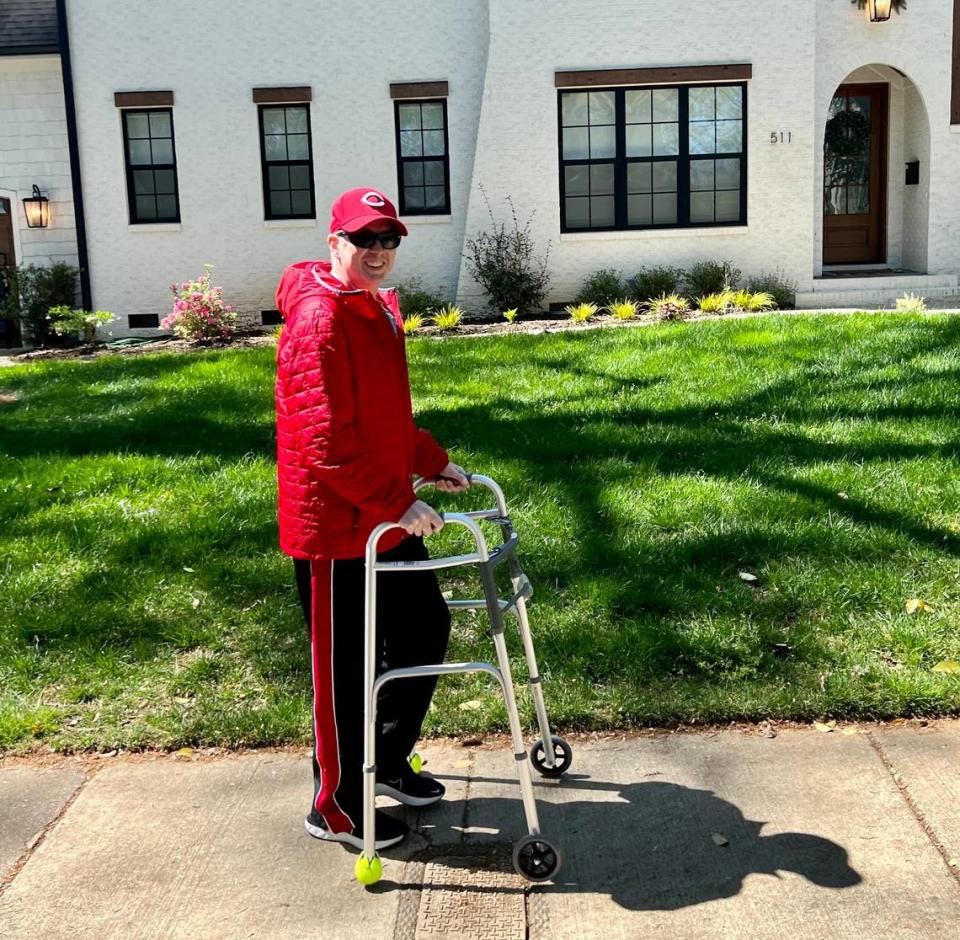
413 627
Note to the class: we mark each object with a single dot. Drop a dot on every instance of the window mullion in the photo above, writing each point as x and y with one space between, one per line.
683 160
620 162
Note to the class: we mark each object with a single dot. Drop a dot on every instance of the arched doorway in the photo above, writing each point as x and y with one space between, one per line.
875 164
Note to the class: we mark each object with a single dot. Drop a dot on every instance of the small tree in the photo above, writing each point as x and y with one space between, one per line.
505 263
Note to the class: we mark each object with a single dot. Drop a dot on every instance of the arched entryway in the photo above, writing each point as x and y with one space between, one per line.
874 197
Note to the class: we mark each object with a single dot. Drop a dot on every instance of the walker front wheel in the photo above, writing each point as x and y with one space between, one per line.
536 858
562 754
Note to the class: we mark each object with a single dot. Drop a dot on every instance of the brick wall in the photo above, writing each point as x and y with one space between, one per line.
499 58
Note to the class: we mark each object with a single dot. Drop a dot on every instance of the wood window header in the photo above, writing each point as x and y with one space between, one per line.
659 76
296 94
955 86
143 99
419 89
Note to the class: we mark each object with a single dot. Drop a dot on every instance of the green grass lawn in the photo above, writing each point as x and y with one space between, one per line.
144 602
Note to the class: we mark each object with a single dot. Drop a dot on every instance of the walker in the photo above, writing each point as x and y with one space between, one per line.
535 857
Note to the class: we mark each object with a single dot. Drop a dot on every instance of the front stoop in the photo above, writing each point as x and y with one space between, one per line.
878 292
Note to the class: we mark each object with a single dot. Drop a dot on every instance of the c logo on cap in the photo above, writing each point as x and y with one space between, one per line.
373 199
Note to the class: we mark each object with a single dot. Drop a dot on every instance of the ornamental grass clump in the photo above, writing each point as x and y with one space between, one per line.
911 303
580 313
199 312
510 315
448 317
669 307
720 302
624 309
760 300
412 322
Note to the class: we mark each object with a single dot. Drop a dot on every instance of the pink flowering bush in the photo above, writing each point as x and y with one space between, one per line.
199 311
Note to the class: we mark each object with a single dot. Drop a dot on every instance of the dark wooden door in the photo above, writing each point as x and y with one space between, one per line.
9 334
855 176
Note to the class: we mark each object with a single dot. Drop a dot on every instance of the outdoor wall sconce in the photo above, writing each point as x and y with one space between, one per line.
879 10
37 209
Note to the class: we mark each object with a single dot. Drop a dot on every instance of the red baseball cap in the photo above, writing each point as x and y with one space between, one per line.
356 208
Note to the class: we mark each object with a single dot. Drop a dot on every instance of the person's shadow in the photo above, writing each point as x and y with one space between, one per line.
654 845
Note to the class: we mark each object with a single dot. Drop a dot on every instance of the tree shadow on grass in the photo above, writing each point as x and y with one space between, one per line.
567 448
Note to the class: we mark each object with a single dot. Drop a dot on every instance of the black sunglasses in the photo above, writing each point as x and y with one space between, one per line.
365 239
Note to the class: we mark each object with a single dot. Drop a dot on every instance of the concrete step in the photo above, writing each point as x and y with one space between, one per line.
904 281
876 296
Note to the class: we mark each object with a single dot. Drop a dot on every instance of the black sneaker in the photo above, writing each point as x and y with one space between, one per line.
410 788
389 831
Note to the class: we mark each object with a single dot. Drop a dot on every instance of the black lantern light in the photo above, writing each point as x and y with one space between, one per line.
879 10
37 209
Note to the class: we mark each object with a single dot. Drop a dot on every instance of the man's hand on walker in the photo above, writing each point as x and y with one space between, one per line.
421 519
452 479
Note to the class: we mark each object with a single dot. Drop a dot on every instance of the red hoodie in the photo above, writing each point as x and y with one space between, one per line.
347 447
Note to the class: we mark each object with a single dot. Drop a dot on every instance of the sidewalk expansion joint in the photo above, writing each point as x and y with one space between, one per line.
41 836
902 788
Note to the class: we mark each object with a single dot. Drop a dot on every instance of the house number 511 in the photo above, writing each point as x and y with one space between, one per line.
778 137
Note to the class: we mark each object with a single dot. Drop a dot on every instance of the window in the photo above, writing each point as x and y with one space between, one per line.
670 157
423 163
287 156
151 166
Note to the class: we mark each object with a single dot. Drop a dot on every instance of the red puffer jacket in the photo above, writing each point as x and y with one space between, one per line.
346 443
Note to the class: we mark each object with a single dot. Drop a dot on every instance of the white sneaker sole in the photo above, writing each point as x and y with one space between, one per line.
384 789
348 837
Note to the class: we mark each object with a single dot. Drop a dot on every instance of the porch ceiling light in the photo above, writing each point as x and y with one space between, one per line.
879 10
37 209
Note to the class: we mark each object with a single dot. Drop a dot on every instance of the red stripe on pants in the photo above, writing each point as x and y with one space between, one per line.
327 752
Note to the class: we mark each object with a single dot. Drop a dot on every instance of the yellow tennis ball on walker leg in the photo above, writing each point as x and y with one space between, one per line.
368 871
416 762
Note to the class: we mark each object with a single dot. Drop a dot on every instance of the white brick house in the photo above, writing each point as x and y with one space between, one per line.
635 133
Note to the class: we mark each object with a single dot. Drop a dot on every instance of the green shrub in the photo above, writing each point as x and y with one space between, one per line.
32 290
711 277
624 309
82 324
911 303
648 283
778 286
504 262
416 300
581 312
669 307
447 317
602 288
412 322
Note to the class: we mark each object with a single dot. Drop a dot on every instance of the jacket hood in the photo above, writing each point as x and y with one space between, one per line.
310 279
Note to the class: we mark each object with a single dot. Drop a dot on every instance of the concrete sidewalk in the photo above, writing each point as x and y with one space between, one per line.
806 834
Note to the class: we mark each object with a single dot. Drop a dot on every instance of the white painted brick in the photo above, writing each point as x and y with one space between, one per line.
499 58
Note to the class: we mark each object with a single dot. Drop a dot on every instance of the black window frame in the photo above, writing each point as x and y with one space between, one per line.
265 164
131 168
401 160
683 159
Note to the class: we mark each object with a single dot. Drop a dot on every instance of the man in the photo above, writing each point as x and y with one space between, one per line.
347 449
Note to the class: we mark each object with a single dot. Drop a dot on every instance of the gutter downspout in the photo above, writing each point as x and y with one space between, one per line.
74 145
